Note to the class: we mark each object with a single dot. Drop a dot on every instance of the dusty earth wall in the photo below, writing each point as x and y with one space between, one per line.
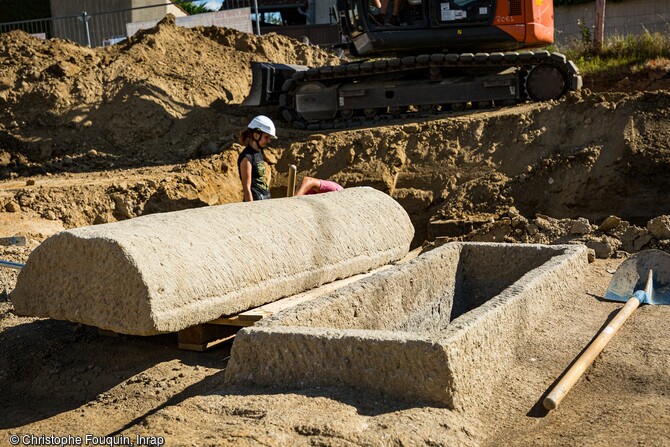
171 95
454 361
166 272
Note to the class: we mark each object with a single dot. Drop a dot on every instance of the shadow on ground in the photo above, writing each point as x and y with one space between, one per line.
48 367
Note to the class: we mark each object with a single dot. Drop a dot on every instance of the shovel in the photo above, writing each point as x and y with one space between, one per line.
12 265
644 278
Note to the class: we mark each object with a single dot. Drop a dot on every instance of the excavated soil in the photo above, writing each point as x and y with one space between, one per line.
89 136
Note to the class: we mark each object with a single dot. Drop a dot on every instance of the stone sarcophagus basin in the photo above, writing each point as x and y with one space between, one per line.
441 328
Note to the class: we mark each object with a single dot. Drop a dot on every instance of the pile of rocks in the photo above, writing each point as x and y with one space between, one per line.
613 237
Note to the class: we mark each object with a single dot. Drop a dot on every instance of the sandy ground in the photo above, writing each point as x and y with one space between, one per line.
60 378
98 135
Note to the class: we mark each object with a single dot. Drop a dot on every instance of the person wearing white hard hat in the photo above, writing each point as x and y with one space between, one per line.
250 163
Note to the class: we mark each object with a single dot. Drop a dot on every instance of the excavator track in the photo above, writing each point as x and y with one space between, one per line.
373 92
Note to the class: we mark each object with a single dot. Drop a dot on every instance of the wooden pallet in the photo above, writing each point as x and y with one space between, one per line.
222 329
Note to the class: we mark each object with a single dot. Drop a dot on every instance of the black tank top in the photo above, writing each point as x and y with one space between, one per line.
259 189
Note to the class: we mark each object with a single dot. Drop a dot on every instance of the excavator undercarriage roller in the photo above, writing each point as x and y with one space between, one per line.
547 81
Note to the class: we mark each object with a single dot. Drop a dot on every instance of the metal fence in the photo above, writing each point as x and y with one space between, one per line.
324 35
234 4
46 28
621 19
252 4
98 28
108 27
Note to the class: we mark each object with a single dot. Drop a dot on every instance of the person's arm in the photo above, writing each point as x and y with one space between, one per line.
245 173
308 183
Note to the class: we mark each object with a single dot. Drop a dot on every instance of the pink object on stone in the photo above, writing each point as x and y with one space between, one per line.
326 186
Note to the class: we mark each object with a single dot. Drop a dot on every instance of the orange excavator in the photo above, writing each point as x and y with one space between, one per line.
434 56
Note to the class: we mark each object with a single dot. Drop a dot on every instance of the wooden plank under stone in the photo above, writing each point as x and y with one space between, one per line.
205 336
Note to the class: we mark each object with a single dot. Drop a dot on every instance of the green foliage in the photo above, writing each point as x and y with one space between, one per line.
193 7
619 53
272 18
15 10
585 32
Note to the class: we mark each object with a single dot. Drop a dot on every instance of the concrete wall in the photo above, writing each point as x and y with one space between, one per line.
154 13
239 19
621 18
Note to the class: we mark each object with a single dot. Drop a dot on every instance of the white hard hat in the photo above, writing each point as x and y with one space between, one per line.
264 124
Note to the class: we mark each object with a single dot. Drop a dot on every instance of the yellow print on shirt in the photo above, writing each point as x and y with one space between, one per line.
262 174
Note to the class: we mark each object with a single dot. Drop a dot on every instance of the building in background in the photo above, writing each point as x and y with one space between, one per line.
150 9
310 21
93 22
104 22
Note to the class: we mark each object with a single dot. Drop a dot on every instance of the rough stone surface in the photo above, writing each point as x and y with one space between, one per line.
580 226
419 331
591 254
632 234
642 241
604 246
12 207
660 227
544 223
165 272
610 223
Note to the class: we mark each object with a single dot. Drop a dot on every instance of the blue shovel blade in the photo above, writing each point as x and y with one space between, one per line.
631 276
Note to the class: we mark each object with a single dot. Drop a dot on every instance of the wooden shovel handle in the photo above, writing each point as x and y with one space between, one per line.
589 355
290 188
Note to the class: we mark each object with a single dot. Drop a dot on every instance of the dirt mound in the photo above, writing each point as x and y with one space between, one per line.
589 156
152 99
170 95
474 176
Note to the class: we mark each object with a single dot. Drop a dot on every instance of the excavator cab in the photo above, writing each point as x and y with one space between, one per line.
431 26
410 14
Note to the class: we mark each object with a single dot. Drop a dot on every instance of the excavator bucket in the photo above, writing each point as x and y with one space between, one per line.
267 82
